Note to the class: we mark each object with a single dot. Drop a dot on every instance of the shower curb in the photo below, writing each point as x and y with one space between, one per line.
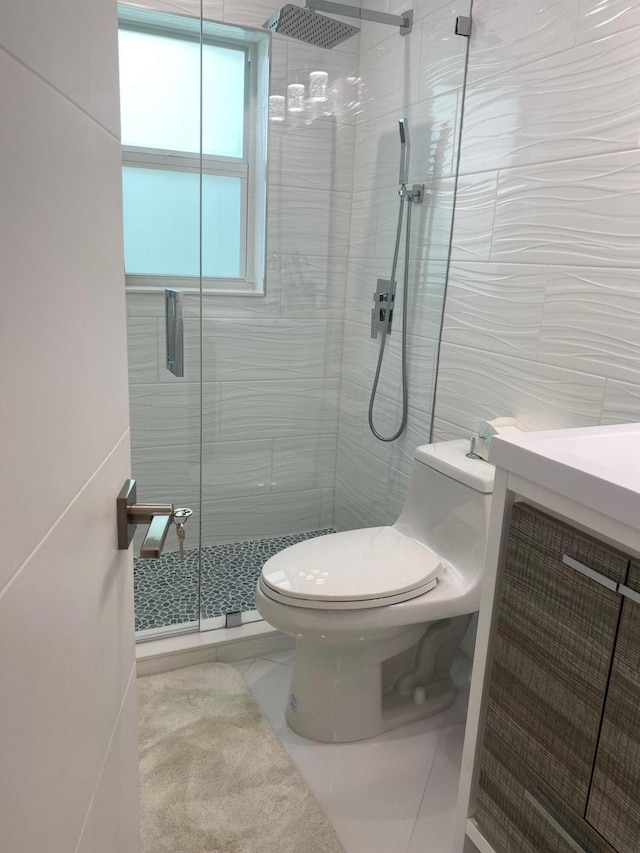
225 646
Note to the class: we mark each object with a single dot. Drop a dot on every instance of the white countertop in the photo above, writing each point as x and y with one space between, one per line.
599 467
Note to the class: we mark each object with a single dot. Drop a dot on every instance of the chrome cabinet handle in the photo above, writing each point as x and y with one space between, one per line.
603 580
629 593
564 830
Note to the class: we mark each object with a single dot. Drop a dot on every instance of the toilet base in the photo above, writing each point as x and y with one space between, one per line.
337 696
396 711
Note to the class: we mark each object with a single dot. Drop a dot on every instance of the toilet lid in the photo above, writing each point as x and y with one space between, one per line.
355 569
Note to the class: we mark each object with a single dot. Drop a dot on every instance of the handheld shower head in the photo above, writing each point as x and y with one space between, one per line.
306 25
403 127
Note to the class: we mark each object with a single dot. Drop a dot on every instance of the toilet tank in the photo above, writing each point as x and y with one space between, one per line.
448 504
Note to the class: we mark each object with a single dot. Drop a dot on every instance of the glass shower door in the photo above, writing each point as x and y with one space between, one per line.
160 116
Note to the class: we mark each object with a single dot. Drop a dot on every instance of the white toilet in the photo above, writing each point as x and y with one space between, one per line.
378 614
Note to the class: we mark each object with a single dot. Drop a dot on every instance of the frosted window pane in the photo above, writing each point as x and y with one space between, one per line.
221 222
162 223
223 101
159 91
160 94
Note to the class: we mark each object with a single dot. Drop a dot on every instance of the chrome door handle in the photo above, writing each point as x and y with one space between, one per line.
174 330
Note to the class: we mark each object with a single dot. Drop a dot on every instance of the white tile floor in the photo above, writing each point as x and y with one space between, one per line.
394 793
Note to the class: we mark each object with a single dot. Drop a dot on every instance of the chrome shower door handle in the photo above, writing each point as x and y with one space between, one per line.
174 327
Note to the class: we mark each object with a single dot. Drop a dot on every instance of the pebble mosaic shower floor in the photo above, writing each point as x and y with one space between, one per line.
166 590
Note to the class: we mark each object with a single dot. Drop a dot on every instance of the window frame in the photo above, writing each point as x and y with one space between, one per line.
251 278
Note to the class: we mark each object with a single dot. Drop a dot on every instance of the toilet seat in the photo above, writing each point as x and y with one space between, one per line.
356 569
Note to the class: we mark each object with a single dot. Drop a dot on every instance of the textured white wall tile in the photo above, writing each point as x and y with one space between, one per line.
361 488
363 224
507 33
389 74
313 287
442 57
354 402
397 489
573 104
308 223
497 307
168 474
327 507
591 321
303 463
580 212
239 519
445 431
233 468
621 403
473 384
317 155
387 415
474 217
333 356
248 13
278 409
166 415
599 19
430 222
143 350
263 349
229 469
432 143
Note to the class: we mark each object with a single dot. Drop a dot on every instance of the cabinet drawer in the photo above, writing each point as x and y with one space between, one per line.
614 801
518 813
552 649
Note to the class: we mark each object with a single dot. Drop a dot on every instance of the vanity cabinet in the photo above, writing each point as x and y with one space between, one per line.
614 801
560 756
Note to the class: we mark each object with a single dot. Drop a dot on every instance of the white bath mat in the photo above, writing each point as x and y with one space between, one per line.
214 776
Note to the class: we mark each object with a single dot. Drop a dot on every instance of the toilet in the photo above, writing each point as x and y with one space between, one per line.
378 614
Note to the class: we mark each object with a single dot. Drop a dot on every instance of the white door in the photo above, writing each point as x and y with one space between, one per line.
68 751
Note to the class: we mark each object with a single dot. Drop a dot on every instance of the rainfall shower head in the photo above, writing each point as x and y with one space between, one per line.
306 25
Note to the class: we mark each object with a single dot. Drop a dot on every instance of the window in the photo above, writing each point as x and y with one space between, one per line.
194 189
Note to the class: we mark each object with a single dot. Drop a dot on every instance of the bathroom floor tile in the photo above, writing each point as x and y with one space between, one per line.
394 793
433 829
242 665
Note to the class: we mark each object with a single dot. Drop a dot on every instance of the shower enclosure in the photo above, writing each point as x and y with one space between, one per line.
265 435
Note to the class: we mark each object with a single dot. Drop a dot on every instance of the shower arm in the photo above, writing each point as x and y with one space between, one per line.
404 21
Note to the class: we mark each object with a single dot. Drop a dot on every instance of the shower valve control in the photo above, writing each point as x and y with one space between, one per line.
382 312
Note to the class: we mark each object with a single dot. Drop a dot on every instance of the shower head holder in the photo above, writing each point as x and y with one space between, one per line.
305 24
404 21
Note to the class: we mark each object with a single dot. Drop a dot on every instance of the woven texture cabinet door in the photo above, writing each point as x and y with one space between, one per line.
506 811
552 650
614 803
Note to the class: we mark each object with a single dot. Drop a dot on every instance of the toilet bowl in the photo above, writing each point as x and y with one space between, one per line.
378 614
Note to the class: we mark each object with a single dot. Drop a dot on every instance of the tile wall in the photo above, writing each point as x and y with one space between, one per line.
419 77
542 318
272 365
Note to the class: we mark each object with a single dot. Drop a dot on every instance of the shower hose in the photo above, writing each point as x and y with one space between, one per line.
385 331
